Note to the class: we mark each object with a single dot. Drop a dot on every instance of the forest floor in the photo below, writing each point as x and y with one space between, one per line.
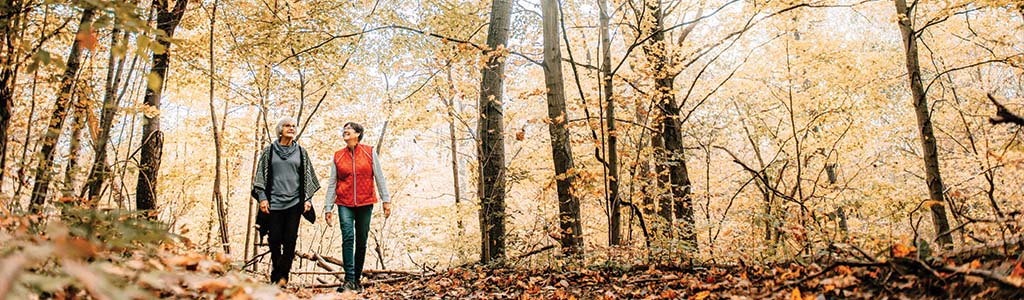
901 278
991 271
118 256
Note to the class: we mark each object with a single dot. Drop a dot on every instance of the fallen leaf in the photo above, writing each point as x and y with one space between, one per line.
701 295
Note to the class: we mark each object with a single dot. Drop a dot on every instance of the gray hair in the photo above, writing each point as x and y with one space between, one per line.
280 125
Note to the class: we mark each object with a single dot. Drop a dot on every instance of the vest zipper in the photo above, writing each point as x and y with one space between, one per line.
354 182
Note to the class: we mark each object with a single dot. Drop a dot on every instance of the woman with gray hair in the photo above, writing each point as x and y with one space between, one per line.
284 183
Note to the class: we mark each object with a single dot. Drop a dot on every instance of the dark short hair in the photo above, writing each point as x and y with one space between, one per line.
356 127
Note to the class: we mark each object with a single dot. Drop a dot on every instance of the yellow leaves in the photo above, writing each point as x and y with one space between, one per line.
149 111
153 81
701 295
795 295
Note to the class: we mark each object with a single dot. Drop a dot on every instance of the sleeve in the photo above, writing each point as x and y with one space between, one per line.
378 178
311 183
332 185
258 183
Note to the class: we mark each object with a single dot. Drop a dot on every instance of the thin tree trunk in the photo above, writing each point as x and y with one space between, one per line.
78 123
218 197
100 169
491 133
612 159
924 122
453 136
561 149
44 170
152 137
257 141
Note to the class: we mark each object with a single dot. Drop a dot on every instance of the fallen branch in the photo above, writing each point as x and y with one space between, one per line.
534 252
254 258
1016 282
822 272
327 259
371 282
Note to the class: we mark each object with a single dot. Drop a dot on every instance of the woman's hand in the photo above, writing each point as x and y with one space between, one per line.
265 206
308 206
387 210
328 216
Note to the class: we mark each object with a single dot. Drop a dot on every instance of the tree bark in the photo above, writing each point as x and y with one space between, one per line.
44 170
672 133
924 123
218 196
561 149
612 159
491 133
77 124
10 30
152 137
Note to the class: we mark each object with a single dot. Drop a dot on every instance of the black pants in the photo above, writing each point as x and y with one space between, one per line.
284 230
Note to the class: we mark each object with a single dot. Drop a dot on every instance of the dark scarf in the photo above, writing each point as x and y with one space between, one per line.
282 151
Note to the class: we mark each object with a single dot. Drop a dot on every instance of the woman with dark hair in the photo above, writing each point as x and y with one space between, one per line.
355 174
284 184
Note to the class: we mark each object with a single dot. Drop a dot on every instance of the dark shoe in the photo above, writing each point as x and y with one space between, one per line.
347 286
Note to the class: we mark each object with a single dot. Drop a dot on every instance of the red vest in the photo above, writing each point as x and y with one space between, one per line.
355 177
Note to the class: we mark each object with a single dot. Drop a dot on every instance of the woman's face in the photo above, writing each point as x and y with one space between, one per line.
350 135
288 130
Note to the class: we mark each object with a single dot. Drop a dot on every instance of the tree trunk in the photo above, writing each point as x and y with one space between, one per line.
924 123
77 124
491 133
218 197
679 177
44 170
612 159
152 137
100 169
561 149
10 32
449 102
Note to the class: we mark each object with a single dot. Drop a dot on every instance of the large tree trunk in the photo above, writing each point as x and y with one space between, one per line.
491 132
679 178
100 169
152 137
218 196
924 123
44 170
612 155
561 149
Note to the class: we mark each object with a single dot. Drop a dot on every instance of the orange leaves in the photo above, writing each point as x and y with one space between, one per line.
795 295
88 39
900 250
